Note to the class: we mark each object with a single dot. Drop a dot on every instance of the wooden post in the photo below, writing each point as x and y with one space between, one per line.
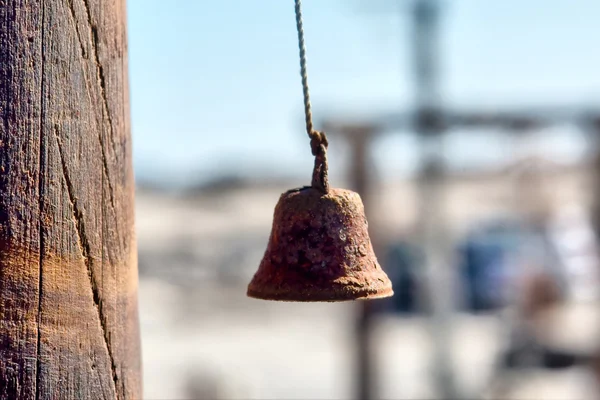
68 262
366 367
360 138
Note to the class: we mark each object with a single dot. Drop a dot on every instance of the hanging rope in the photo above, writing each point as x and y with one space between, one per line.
318 140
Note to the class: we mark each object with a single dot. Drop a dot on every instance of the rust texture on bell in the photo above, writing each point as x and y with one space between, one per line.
319 250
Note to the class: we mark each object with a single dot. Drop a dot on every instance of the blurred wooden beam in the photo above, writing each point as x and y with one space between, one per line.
510 120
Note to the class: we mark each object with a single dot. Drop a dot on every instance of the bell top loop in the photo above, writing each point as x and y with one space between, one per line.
318 142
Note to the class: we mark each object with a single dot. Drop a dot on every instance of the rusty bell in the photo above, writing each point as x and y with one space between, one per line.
319 250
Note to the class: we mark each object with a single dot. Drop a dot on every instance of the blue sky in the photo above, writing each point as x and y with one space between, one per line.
215 84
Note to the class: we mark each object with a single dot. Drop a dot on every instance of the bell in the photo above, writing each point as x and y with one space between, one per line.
319 250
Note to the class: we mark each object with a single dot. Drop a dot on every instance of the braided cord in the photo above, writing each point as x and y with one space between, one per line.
318 140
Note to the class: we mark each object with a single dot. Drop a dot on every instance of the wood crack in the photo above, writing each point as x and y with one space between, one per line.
73 15
102 83
105 173
101 80
42 166
85 248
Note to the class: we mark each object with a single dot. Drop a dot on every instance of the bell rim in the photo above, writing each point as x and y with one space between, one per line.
320 296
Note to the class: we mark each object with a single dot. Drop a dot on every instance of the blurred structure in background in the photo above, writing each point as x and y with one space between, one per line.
496 271
430 120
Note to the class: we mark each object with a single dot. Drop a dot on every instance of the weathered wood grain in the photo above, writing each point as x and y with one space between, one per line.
68 266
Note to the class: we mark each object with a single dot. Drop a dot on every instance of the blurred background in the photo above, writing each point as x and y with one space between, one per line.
470 130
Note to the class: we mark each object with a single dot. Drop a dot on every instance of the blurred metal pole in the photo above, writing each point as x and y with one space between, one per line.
426 50
433 235
593 127
595 140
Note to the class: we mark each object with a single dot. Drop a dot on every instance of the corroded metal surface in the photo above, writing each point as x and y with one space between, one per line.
319 250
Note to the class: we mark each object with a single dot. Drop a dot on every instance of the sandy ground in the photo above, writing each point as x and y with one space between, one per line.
203 338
